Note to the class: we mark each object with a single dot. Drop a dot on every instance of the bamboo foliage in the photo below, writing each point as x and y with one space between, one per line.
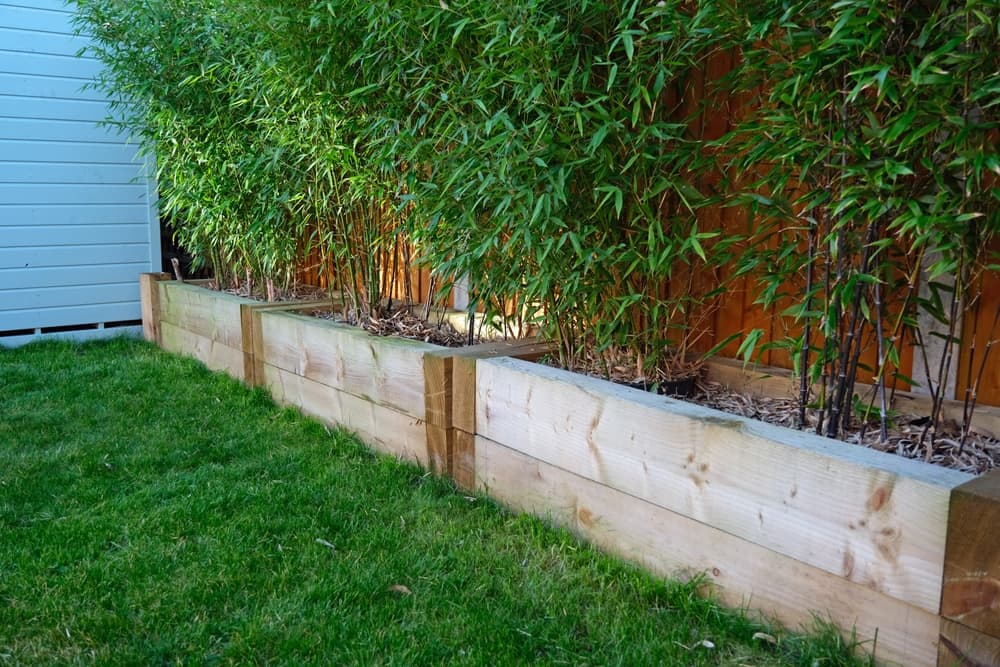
256 155
545 153
550 152
875 139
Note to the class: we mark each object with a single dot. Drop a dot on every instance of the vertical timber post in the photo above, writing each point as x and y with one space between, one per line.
252 339
970 598
149 295
450 403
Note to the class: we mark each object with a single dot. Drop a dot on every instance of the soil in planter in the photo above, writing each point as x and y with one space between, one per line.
980 454
680 388
404 322
297 292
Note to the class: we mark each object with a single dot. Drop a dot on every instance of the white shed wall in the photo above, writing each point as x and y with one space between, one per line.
78 219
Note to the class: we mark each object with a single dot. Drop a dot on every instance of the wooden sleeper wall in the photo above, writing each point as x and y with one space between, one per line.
788 523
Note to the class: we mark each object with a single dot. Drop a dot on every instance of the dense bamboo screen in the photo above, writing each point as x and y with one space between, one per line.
736 311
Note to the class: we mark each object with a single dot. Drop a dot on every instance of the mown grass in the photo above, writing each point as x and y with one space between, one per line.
152 512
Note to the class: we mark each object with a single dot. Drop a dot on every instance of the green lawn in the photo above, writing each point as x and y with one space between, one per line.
152 512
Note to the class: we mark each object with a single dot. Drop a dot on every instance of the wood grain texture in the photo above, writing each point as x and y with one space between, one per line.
672 545
253 345
971 593
464 373
450 390
961 646
385 371
464 460
149 297
440 447
438 387
201 311
866 516
384 429
214 354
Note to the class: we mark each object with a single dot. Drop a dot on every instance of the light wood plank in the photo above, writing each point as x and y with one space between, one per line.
464 373
208 313
463 460
438 388
440 445
214 354
671 545
386 371
251 336
875 519
385 429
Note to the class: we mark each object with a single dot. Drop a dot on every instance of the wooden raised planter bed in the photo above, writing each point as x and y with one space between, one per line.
783 522
787 523
396 394
214 327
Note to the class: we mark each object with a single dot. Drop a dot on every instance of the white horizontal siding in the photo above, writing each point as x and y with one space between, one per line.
80 315
72 255
43 64
68 296
29 237
77 215
38 16
48 43
68 174
80 152
47 108
64 215
58 6
57 130
82 274
38 85
61 193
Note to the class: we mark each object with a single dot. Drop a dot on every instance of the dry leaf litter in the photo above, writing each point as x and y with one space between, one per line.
909 434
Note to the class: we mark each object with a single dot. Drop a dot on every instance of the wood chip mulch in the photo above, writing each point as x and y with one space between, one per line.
403 322
296 292
980 453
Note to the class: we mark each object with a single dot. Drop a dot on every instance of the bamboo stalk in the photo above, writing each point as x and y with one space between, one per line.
880 379
807 327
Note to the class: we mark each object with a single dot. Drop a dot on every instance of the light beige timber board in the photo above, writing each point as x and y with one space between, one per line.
384 429
440 446
251 336
463 411
780 383
463 393
463 459
203 311
671 545
870 517
449 376
384 370
438 388
214 354
247 344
